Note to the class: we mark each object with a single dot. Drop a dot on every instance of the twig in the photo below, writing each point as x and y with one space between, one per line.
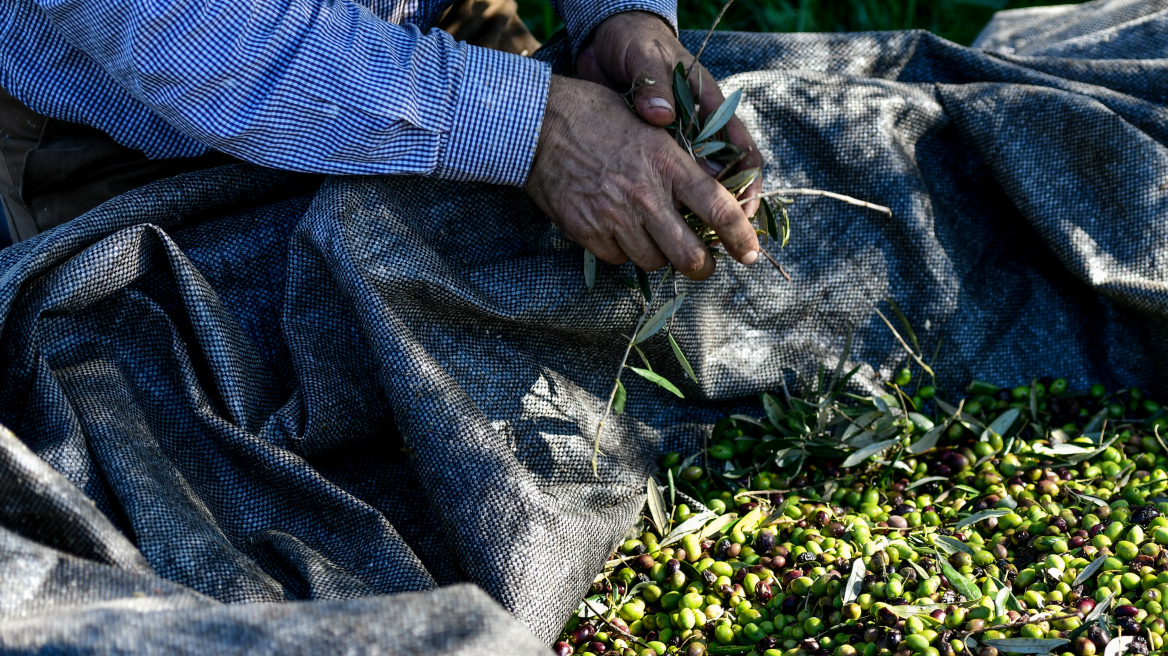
819 192
776 263
612 394
706 40
903 343
729 167
1034 620
616 383
612 626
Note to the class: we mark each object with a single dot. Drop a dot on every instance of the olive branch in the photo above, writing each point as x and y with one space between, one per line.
703 140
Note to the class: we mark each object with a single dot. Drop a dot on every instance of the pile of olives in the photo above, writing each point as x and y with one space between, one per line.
1026 520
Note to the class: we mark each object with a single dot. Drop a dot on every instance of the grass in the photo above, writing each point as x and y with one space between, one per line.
956 20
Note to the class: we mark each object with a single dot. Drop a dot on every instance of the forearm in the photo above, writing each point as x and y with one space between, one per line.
315 86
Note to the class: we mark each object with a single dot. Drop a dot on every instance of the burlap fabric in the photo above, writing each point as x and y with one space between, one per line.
249 408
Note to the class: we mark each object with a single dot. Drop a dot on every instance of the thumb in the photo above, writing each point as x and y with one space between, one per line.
654 102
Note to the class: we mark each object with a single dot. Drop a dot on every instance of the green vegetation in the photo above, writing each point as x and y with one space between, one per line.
1024 520
956 20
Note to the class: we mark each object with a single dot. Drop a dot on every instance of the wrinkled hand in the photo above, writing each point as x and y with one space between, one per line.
612 183
631 47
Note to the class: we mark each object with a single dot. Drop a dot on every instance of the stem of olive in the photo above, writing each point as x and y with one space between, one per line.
612 626
819 192
612 394
709 33
1035 620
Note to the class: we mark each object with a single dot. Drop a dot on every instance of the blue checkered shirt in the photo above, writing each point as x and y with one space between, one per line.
327 86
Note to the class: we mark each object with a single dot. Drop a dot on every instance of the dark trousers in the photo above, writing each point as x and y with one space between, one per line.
52 171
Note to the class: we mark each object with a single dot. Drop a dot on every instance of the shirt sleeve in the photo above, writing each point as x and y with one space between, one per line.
317 85
582 16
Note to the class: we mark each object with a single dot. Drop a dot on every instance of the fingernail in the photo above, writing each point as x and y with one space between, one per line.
750 257
661 103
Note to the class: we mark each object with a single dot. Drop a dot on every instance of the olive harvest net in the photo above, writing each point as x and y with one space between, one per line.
262 412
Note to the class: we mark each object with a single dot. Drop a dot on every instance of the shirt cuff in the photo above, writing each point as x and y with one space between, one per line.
497 118
582 16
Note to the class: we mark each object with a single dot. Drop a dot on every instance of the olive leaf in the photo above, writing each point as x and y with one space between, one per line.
1026 645
740 180
717 525
656 505
691 525
657 379
785 225
592 607
927 479
589 269
904 322
855 581
681 358
951 545
953 411
867 452
1000 602
906 611
618 400
1011 602
1001 424
1089 570
958 580
1100 608
643 284
683 97
708 148
1117 646
772 223
928 441
981 517
774 410
720 117
659 318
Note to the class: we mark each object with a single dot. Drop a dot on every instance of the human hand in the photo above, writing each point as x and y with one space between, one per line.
613 183
631 47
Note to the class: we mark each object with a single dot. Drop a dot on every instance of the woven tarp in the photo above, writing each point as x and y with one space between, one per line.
248 409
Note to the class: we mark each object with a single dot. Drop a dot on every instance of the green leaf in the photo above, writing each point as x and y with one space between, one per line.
717 525
772 224
959 581
912 336
928 441
855 581
1027 645
774 410
981 516
656 506
1118 645
867 452
740 180
927 479
618 401
1089 571
951 545
659 318
691 525
683 97
720 117
708 148
681 358
589 269
643 284
1002 423
658 380
785 226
